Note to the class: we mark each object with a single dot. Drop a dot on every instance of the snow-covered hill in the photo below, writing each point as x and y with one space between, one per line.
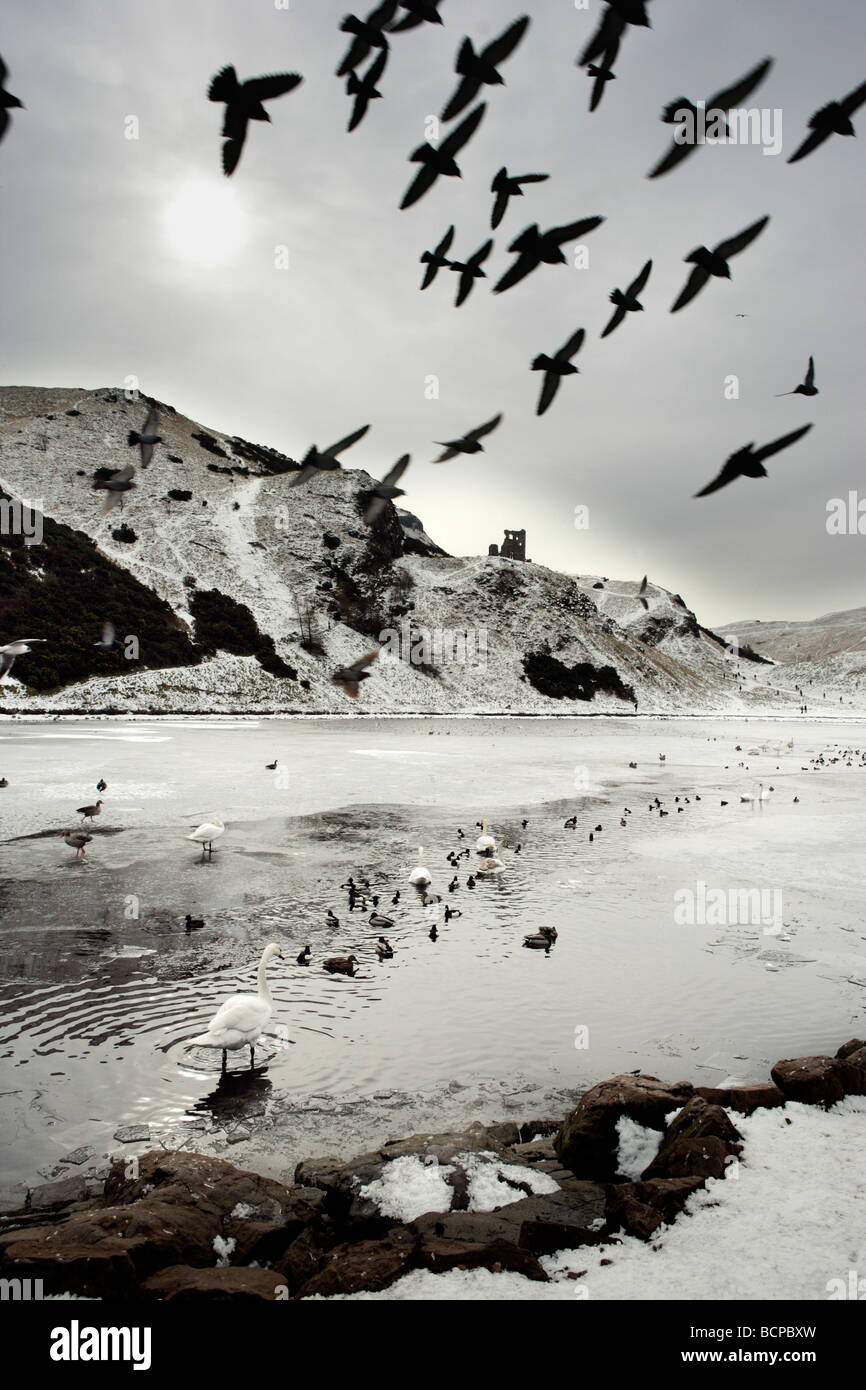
484 634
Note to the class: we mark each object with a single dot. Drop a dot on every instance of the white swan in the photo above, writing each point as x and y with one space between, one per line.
485 842
240 1020
419 875
207 833
759 793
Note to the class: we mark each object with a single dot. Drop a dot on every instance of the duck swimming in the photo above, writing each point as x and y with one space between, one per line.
542 940
384 949
340 965
304 957
377 920
331 920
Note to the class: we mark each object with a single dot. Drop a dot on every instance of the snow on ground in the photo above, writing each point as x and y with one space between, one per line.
789 1219
637 1146
410 1185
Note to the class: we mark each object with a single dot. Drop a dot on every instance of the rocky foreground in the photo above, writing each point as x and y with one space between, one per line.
175 1225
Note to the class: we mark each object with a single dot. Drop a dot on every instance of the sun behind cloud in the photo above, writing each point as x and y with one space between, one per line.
204 223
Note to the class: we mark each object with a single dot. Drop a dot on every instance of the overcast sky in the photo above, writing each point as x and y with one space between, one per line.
109 268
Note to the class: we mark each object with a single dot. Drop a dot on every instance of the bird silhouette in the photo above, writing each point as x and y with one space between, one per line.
243 103
628 302
477 70
612 26
833 119
7 101
470 271
350 677
641 592
469 443
725 100
386 491
555 368
368 34
116 487
440 160
363 89
806 387
325 460
715 262
534 247
436 260
507 186
602 72
748 462
148 438
420 12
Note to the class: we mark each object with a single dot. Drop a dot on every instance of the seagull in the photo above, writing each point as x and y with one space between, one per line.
77 839
436 160
350 677
834 119
477 70
386 491
20 647
602 72
436 260
89 812
507 186
369 33
363 89
726 100
556 367
108 638
243 103
116 487
148 437
325 460
470 271
206 834
534 247
807 387
420 11
628 302
7 101
748 462
715 262
469 443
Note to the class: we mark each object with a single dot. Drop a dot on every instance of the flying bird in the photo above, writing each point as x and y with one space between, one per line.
350 677
436 160
642 591
748 462
603 73
363 89
7 101
477 70
386 491
470 271
807 387
833 119
148 438
715 262
726 100
109 640
533 247
507 186
470 442
628 302
556 367
116 487
368 33
618 14
243 103
325 460
12 649
436 260
420 11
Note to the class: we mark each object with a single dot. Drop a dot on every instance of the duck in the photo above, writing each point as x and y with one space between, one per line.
377 920
632 765
304 957
331 919
384 949
451 912
76 839
454 884
3 782
484 842
102 785
193 923
491 864
542 940
431 899
470 882
241 1019
433 933
340 965
396 898
271 767
206 834
524 823
89 812
571 823
662 757
419 875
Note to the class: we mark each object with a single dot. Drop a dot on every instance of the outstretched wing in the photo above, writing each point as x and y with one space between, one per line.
734 95
274 85
482 430
422 182
693 286
500 207
609 31
674 156
738 243
346 443
525 263
637 285
503 47
468 86
224 86
392 479
810 143
233 146
454 143
730 471
810 374
569 349
358 667
617 317
779 444
854 99
573 231
549 388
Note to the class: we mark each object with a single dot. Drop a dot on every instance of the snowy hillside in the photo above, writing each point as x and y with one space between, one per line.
215 516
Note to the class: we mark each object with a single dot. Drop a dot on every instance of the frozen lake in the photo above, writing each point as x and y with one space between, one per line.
97 1004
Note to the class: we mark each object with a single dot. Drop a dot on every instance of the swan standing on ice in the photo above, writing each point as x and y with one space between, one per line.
206 834
485 842
241 1019
419 875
